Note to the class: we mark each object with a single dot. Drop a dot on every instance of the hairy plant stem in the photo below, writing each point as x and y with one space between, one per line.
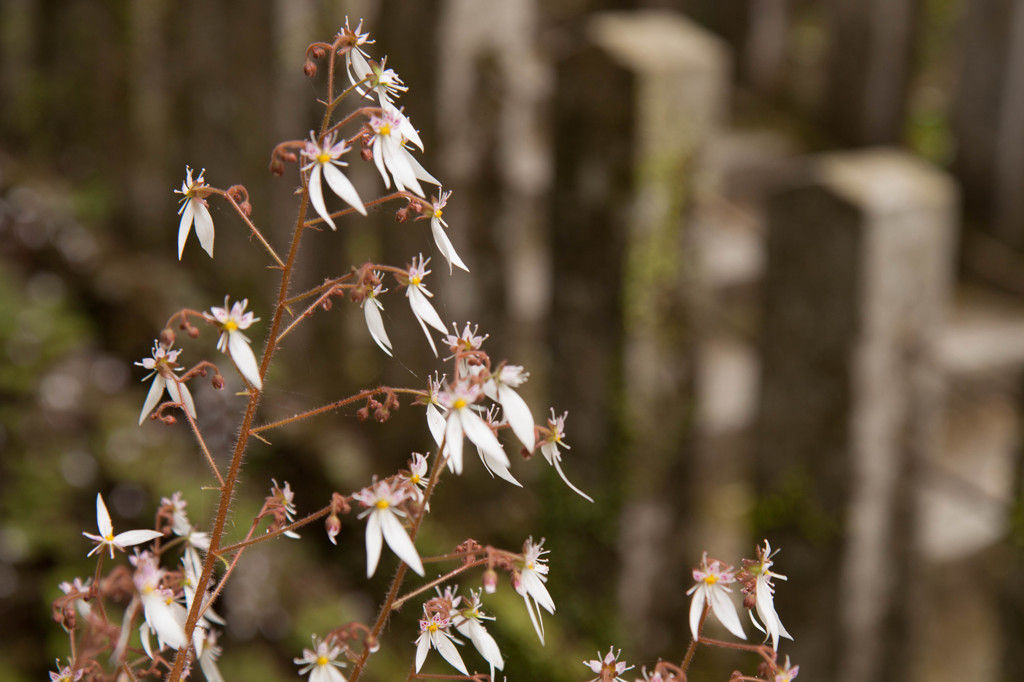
228 488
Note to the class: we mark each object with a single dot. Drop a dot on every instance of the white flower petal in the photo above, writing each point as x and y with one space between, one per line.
725 611
316 196
535 618
103 522
378 160
436 424
341 186
481 435
135 537
498 468
374 322
449 653
399 542
696 609
420 172
184 398
374 542
534 586
556 461
204 227
422 648
453 440
484 643
245 359
156 391
517 412
444 245
424 310
184 225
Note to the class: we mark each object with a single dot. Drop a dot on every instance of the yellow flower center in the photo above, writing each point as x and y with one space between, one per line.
230 326
438 213
711 579
322 660
323 157
432 627
415 478
459 403
416 280
109 537
382 504
385 129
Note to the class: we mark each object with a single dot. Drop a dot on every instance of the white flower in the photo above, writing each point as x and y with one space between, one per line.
65 674
194 209
529 581
418 295
374 322
467 622
208 658
286 498
391 130
233 342
787 673
496 466
711 589
556 434
321 662
437 228
162 367
164 616
610 668
322 160
107 539
500 389
462 420
418 474
433 633
355 56
381 501
764 597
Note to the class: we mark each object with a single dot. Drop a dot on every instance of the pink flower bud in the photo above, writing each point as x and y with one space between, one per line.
490 581
333 525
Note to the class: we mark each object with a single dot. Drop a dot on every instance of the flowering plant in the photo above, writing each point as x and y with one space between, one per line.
176 572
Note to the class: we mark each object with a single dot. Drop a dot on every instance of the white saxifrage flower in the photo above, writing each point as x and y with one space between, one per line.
321 662
65 674
711 589
764 597
418 296
391 131
374 321
528 581
434 633
468 623
463 421
162 367
194 210
609 668
549 448
417 475
324 160
355 57
232 341
164 616
381 501
438 228
788 672
107 539
501 389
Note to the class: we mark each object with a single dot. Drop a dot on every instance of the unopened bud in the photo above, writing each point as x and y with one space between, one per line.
372 645
363 413
169 419
326 304
318 53
309 68
217 381
167 338
277 167
333 525
749 601
366 154
381 414
193 332
490 581
402 215
246 208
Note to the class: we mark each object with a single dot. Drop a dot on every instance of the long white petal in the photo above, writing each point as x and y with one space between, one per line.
444 245
436 423
426 332
420 172
184 398
184 225
204 228
480 433
498 468
374 322
399 542
558 468
696 609
453 440
374 541
341 186
448 651
423 309
517 412
725 611
130 538
534 586
156 391
484 643
316 196
399 161
535 618
245 359
422 647
378 160
103 517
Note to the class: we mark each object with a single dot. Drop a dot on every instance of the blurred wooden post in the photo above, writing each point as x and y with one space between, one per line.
634 107
869 68
858 277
